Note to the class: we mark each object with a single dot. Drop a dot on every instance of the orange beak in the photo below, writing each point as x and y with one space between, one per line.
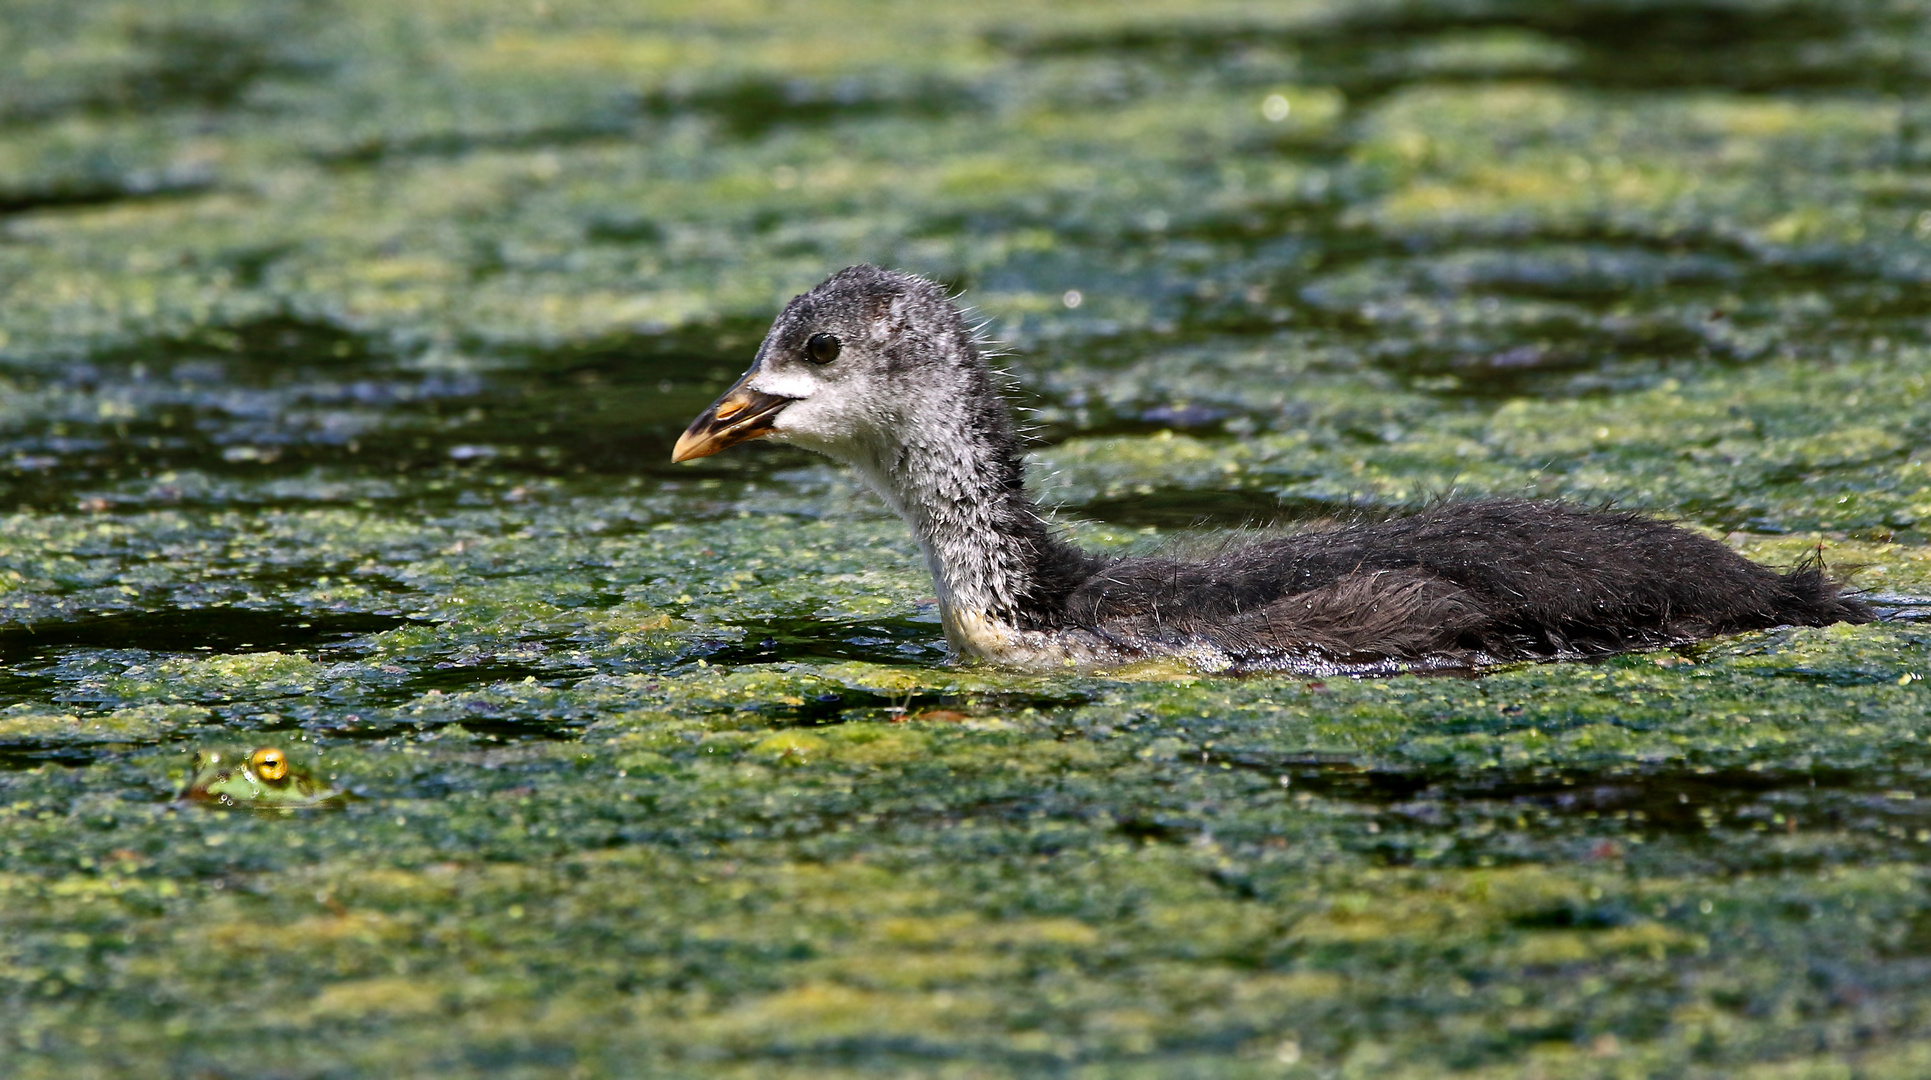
741 414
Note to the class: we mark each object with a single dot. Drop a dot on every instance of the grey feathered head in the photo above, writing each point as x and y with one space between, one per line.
846 367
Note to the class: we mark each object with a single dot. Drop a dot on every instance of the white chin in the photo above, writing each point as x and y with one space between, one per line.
867 455
806 440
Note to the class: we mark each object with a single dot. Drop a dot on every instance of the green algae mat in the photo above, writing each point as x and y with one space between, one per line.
343 344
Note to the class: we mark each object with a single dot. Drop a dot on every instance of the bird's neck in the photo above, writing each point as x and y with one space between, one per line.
997 566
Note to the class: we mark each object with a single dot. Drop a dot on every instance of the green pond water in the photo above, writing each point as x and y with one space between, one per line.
343 344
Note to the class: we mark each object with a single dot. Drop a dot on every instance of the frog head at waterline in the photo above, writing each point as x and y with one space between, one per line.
259 779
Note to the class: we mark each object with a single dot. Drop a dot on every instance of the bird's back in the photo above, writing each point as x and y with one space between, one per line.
1461 584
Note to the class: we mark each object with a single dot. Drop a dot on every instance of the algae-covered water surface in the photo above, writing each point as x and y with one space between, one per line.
377 700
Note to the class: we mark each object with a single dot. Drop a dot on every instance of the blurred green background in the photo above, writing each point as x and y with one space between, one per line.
341 351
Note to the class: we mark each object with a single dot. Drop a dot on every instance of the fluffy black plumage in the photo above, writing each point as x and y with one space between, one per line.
1460 584
910 403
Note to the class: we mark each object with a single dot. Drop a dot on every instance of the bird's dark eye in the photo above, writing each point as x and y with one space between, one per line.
822 348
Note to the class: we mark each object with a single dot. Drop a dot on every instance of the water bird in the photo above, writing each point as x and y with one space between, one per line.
881 371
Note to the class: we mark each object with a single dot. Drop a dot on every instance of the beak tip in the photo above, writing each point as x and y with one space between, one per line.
688 448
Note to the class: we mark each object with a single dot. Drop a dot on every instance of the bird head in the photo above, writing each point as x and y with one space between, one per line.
843 368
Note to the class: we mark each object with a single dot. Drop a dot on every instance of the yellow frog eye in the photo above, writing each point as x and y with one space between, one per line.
268 763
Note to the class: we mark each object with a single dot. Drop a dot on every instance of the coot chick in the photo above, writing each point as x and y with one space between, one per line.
879 370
